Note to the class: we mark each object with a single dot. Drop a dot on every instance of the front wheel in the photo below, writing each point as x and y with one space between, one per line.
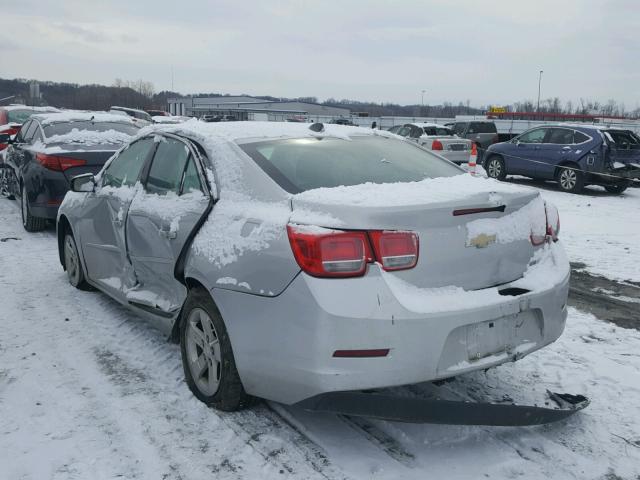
570 179
75 274
495 168
207 357
29 222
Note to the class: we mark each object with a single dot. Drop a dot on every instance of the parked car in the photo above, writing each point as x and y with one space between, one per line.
395 129
481 132
442 140
218 118
290 262
572 155
13 116
140 117
52 148
158 113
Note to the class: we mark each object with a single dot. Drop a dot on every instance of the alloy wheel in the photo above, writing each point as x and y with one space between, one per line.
204 356
71 260
568 179
495 168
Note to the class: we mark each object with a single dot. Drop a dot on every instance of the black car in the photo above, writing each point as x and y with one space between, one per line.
51 149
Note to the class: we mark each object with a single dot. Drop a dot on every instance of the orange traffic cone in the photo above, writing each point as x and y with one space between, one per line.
473 158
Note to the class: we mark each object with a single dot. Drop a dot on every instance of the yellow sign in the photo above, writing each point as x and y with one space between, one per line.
497 110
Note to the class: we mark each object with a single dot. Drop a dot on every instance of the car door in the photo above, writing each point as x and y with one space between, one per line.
556 147
524 152
160 220
102 226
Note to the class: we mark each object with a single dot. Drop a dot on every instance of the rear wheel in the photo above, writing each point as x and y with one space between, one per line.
570 179
495 168
617 189
29 222
207 358
72 263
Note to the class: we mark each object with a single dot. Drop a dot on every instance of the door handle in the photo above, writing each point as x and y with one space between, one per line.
566 148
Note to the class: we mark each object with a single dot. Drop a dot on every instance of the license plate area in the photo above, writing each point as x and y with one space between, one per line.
502 335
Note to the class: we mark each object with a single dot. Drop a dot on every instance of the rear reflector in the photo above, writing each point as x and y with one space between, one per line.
395 250
58 163
380 352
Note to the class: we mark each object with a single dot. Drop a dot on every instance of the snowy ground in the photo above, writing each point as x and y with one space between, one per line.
88 390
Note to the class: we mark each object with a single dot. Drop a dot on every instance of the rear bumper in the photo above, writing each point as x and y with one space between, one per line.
284 345
460 156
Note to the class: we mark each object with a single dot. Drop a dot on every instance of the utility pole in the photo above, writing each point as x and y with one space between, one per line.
539 82
172 78
423 92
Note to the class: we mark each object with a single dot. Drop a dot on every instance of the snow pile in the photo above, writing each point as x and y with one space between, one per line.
79 116
90 137
237 224
431 190
548 267
519 225
169 207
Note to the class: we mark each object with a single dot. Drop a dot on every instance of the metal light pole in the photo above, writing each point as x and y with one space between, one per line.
539 82
423 92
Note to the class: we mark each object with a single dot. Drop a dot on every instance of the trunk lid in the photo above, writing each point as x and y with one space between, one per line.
452 144
468 250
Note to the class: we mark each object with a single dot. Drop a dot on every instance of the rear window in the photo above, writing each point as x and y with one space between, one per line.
66 127
304 164
484 127
19 116
459 128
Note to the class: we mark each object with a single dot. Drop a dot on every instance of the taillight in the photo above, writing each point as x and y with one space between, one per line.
437 145
333 253
323 252
395 250
552 229
58 163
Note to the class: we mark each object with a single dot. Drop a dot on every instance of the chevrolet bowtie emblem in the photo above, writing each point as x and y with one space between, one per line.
481 241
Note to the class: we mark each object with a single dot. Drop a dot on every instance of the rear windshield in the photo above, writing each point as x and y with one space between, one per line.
19 116
66 127
484 127
438 131
304 164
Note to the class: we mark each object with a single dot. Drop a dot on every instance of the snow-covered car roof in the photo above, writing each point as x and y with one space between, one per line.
244 131
76 116
426 124
15 106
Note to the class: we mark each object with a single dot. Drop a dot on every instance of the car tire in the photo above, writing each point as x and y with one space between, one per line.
207 357
495 167
72 263
617 189
570 179
29 222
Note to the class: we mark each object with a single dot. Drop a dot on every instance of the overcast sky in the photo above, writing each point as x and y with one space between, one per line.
488 52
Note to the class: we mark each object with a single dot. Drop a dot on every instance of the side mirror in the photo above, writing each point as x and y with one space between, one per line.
5 138
83 183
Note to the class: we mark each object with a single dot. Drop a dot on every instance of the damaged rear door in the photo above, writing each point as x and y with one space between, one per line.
164 212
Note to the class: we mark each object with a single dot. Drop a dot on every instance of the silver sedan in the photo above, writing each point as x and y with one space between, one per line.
292 261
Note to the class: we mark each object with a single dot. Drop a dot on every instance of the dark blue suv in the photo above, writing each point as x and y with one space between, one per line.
572 155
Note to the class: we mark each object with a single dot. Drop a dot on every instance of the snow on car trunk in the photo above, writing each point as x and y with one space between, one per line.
458 245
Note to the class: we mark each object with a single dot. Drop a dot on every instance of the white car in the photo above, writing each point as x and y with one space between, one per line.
438 138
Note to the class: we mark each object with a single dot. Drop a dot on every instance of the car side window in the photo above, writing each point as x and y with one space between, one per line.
191 182
403 132
533 136
167 167
560 136
459 128
26 132
125 168
429 131
416 132
579 137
